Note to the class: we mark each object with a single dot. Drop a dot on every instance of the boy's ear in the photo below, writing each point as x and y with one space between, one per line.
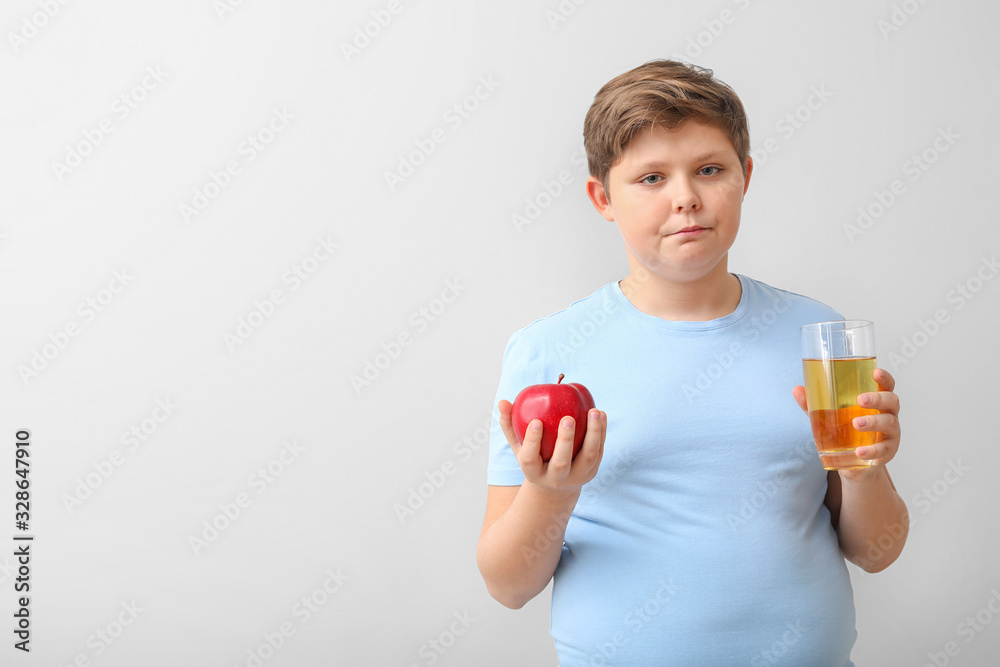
746 182
599 198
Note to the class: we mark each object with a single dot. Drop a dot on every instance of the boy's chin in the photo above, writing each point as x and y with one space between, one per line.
683 273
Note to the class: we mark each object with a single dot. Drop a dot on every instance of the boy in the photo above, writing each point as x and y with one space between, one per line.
696 526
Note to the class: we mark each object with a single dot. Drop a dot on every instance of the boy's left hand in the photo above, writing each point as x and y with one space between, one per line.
886 423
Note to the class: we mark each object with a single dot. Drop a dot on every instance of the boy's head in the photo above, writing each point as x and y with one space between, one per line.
661 92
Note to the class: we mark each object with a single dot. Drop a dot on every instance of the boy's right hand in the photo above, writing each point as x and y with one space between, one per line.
562 472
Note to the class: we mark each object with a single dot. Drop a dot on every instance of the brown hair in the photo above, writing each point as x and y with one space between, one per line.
664 92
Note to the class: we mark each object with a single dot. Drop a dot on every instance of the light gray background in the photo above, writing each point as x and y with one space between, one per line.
332 509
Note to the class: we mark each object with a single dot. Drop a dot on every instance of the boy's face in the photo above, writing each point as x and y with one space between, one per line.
676 197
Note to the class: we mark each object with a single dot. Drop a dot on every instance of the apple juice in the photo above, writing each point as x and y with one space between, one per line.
832 388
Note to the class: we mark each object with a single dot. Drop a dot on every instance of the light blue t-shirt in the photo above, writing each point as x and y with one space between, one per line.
703 539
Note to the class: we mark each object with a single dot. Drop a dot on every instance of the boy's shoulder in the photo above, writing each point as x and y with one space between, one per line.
767 297
596 306
600 299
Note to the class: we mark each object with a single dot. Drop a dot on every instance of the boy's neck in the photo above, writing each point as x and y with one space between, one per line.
709 298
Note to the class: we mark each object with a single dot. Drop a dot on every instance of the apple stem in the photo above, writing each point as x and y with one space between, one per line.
561 376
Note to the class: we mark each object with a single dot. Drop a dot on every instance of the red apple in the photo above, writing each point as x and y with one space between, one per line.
550 403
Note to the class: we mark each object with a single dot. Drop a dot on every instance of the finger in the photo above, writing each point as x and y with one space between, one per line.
529 456
885 423
562 454
799 393
507 425
882 451
884 379
883 401
603 421
593 441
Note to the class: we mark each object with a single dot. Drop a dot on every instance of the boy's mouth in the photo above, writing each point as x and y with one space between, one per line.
691 229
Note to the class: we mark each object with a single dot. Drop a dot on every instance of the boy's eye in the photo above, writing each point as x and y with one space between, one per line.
714 170
656 179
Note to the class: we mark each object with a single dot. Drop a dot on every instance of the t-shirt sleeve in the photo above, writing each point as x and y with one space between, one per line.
520 369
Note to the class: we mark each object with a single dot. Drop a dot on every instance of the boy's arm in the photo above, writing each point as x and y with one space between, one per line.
522 536
868 514
521 541
870 518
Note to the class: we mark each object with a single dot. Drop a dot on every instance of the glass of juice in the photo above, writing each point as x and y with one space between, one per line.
838 359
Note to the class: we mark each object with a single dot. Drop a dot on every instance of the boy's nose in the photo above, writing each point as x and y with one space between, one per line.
685 198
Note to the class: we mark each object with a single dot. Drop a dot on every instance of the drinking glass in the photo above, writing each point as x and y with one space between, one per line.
838 359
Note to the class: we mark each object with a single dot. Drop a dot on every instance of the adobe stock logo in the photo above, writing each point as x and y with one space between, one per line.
435 647
132 439
295 277
759 497
31 25
562 12
364 35
455 117
713 29
60 339
303 611
578 336
959 296
223 7
914 167
634 621
898 17
968 629
249 149
773 654
929 497
419 321
548 192
102 639
433 480
791 122
725 359
120 109
231 510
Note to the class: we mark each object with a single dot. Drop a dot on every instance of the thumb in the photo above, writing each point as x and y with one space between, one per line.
799 393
